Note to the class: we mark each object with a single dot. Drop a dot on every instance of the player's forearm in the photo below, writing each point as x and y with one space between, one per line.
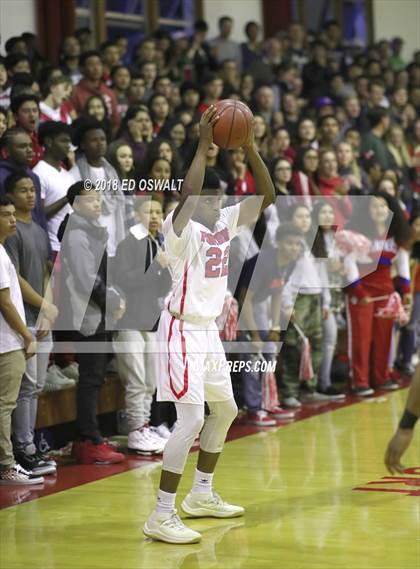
193 182
263 182
413 401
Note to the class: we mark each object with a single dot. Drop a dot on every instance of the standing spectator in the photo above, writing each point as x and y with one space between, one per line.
197 58
92 84
28 250
251 49
225 48
120 156
25 109
16 345
142 274
55 180
315 73
324 219
297 52
396 61
85 297
370 335
306 302
91 140
17 145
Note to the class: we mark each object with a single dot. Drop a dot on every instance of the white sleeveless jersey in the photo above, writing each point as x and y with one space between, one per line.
199 262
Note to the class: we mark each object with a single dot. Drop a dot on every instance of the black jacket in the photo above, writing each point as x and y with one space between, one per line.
142 279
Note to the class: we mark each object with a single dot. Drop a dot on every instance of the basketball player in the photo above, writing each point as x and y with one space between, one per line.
402 438
193 366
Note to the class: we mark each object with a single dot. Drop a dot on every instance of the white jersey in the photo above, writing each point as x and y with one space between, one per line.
199 262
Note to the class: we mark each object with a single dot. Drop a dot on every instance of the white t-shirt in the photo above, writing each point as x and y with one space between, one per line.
199 262
54 186
9 340
106 220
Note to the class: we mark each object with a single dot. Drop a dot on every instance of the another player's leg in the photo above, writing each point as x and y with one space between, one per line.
164 524
203 501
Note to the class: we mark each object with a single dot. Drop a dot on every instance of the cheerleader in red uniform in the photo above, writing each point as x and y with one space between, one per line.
369 336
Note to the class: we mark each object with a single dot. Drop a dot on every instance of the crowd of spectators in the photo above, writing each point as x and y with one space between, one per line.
333 122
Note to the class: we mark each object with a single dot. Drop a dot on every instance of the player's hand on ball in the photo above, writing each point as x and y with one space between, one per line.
208 119
396 448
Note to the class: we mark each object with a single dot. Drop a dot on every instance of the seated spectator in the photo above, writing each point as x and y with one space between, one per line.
137 89
264 106
5 87
213 88
349 169
331 184
262 136
305 175
242 175
373 141
142 274
86 298
25 109
159 112
149 72
120 83
16 345
69 58
328 131
137 130
96 108
3 122
92 84
306 134
29 251
120 156
55 106
110 55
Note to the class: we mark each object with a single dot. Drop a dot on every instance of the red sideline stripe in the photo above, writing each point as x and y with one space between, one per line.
184 389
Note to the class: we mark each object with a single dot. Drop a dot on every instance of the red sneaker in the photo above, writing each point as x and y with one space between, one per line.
260 419
89 453
279 413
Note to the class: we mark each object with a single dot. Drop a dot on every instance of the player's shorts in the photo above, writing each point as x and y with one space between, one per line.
192 366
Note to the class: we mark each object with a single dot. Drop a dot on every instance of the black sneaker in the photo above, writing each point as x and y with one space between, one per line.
332 393
389 386
362 391
34 464
46 458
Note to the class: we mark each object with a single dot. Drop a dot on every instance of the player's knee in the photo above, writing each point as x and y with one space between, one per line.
226 411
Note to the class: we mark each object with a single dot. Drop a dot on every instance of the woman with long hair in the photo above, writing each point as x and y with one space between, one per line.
323 217
137 130
120 155
382 221
349 169
159 111
305 175
332 185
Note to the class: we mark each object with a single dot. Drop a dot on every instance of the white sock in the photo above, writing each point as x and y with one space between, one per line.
202 482
165 502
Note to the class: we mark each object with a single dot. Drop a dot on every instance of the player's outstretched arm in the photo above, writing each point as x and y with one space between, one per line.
251 207
193 182
402 438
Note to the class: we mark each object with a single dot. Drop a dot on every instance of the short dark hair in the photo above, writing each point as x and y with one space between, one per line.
11 42
375 115
211 180
51 129
140 200
201 26
74 191
107 44
325 118
87 54
286 229
15 58
18 101
13 179
83 126
248 25
5 200
9 135
224 19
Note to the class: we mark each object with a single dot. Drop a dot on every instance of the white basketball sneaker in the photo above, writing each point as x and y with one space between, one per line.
169 527
209 505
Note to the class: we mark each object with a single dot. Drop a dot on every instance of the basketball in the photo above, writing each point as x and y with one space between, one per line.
234 125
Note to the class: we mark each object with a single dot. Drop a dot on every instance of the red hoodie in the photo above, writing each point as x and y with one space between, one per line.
342 206
84 90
